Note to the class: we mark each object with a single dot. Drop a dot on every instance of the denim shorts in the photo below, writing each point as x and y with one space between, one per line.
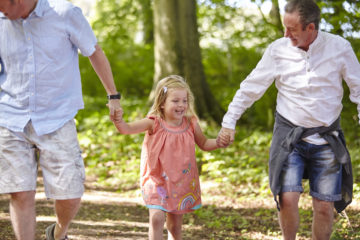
57 153
324 171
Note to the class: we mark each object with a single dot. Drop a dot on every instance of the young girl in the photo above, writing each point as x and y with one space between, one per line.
168 174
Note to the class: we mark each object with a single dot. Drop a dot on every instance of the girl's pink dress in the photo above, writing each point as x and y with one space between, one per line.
169 176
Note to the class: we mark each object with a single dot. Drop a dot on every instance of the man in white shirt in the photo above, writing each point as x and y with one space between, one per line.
308 67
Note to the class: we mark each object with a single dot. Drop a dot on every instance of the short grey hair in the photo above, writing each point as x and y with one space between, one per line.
308 10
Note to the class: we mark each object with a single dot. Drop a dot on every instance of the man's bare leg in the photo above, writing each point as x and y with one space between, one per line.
289 214
322 220
65 210
22 214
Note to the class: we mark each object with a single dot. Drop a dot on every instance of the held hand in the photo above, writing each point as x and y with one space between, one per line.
118 115
225 137
114 105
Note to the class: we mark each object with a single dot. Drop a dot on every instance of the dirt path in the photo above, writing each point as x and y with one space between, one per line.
112 215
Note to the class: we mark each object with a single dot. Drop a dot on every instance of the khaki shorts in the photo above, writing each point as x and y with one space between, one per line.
59 157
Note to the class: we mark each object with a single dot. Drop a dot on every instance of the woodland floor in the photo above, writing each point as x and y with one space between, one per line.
108 214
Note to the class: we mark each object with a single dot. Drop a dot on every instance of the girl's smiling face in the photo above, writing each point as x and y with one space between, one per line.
175 106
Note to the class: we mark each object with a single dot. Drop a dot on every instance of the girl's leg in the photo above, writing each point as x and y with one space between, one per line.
156 224
173 224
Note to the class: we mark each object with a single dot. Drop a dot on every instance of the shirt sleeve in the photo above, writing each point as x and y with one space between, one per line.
1 66
193 123
80 32
156 124
251 89
351 75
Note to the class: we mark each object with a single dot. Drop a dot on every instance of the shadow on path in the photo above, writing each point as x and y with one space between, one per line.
111 215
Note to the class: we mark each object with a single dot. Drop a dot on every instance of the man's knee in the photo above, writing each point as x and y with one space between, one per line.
23 199
68 203
323 208
289 199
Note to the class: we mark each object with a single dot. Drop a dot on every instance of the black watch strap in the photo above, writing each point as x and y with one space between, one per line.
114 96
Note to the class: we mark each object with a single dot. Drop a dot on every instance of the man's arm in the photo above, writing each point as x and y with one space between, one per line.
351 75
102 68
251 89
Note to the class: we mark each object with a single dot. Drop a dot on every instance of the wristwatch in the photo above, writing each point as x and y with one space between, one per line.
114 96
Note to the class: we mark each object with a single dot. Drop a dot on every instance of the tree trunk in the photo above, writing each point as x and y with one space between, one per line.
276 17
177 51
147 20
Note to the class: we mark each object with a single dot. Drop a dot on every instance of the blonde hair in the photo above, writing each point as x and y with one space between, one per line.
162 90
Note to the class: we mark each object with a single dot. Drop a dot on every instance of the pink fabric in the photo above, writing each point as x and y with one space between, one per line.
169 176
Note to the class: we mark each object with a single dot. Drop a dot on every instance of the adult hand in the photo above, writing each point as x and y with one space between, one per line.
118 116
114 105
225 137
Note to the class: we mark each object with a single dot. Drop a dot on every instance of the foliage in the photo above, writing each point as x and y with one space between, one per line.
113 158
227 25
341 17
119 36
233 40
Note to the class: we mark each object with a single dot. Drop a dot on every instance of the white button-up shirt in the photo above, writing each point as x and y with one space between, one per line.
41 78
309 82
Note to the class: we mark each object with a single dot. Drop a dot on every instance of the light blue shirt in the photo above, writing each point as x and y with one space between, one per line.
41 77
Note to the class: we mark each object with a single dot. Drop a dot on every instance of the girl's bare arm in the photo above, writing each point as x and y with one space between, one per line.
132 127
203 142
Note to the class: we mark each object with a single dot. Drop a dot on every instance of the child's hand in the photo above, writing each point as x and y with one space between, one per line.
113 105
118 115
225 137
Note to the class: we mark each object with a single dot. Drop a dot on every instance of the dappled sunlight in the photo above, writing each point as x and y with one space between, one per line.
101 197
227 195
113 215
355 205
109 197
4 216
105 223
259 235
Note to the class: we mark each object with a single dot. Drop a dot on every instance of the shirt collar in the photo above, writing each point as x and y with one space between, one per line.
318 40
40 8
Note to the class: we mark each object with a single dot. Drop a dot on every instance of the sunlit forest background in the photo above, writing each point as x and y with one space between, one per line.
224 40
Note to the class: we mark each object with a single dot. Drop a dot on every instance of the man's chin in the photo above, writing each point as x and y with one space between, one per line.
294 43
11 17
